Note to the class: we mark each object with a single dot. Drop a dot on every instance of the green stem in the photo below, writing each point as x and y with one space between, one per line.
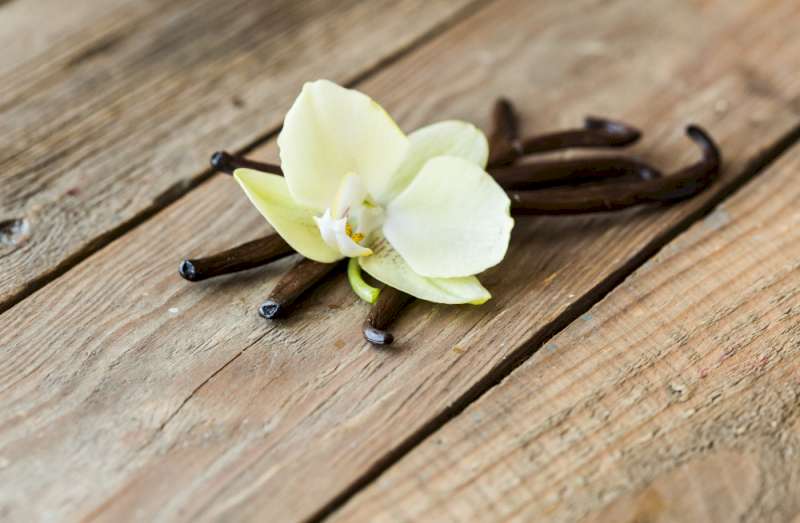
363 290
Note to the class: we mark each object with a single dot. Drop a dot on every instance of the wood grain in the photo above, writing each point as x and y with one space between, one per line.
128 391
674 399
29 29
112 111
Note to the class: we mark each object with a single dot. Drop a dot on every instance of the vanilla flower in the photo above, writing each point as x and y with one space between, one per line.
417 212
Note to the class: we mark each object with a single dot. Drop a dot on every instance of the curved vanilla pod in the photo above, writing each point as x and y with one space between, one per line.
611 196
596 132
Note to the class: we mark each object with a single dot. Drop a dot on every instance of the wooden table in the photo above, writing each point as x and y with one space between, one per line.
632 366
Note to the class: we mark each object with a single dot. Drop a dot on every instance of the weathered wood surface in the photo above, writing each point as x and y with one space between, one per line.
133 393
111 111
29 28
673 399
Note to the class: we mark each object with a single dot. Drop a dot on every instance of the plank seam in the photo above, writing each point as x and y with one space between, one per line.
495 376
182 188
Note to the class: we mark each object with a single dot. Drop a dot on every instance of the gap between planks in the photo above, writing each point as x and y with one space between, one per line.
485 381
582 305
183 187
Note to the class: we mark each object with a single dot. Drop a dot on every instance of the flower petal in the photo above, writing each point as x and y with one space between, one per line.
334 233
449 138
295 223
350 194
388 266
347 245
331 131
452 220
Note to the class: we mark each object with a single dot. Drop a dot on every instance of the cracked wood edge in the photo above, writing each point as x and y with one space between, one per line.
113 112
675 398
308 413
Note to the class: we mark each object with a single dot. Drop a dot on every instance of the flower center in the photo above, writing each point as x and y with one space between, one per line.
350 219
356 237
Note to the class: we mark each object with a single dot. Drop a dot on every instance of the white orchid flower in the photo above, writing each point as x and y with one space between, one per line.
417 212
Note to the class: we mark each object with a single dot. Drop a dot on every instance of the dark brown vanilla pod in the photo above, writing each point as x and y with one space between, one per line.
227 163
611 196
560 200
566 186
597 132
532 175
246 256
383 312
693 179
504 143
300 278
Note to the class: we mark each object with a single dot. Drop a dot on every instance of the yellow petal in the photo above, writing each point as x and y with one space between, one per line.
331 131
452 220
388 266
293 222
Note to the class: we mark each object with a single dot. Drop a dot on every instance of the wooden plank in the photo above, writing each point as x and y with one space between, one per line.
144 394
673 399
28 28
110 112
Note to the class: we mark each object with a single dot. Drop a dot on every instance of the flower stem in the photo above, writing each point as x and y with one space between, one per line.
362 289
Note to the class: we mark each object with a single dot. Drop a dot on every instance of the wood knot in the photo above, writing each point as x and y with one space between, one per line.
14 232
678 391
